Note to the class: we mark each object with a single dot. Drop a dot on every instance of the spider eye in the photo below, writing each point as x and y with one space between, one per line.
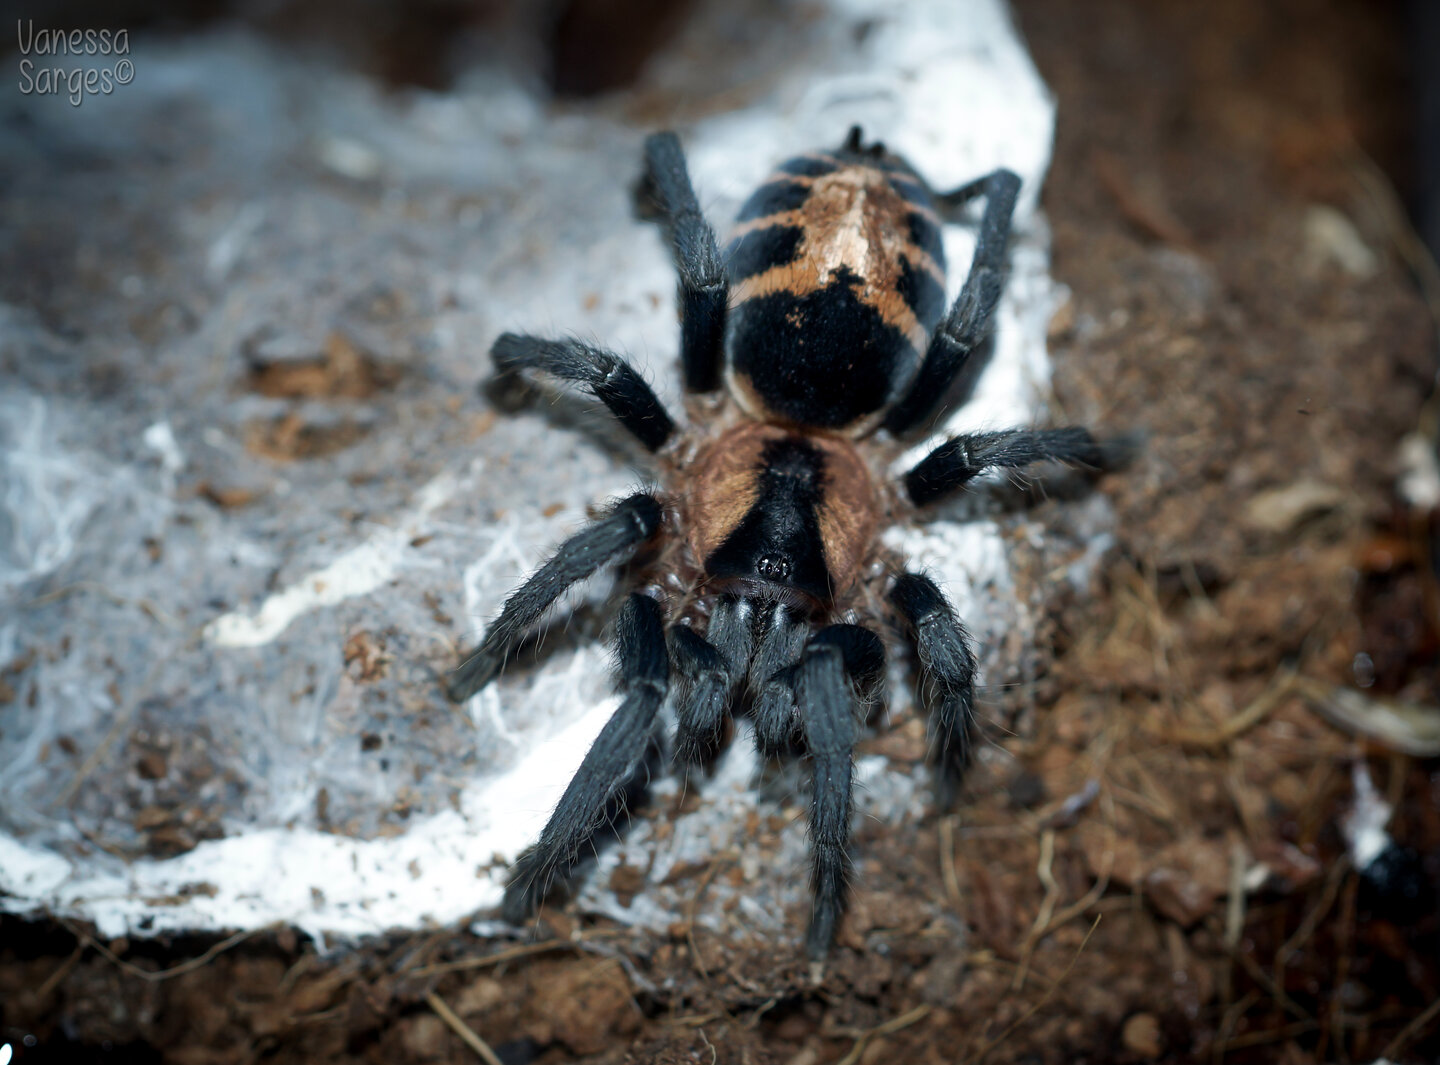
773 567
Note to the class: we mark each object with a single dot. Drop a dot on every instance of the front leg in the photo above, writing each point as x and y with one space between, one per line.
628 525
772 679
947 671
611 763
954 463
837 660
707 672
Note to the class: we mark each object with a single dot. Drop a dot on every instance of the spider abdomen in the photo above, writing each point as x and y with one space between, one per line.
837 279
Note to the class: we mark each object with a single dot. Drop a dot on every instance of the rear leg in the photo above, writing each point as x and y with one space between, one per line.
609 378
704 289
967 324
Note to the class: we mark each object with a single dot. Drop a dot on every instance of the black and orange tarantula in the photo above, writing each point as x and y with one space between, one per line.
756 563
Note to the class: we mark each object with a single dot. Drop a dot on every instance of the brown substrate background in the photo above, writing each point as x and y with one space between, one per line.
1212 313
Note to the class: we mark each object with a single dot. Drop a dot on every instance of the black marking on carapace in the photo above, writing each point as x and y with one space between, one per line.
922 293
772 198
823 359
810 165
760 249
778 542
925 235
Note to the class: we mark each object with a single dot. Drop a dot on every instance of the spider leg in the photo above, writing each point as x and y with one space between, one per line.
629 523
612 761
963 329
956 461
611 379
772 678
704 290
837 658
707 672
957 198
947 668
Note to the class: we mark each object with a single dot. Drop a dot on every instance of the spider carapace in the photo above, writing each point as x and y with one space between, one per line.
757 566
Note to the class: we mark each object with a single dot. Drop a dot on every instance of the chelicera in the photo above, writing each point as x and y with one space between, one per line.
810 347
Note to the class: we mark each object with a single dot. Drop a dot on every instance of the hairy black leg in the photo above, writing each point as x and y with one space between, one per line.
704 290
611 379
968 322
611 762
773 708
947 671
956 461
707 672
772 678
630 523
861 651
957 198
836 659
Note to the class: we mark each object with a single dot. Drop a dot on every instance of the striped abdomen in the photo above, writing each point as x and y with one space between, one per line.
837 278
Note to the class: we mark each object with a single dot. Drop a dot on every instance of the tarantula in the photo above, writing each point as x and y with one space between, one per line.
754 566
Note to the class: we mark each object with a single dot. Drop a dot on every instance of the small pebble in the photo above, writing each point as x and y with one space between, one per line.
1141 1035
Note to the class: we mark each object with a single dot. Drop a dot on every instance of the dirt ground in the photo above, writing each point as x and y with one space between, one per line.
1163 876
